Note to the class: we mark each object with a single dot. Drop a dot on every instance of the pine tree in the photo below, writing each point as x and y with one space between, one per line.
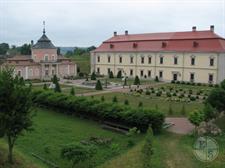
111 74
93 76
137 81
56 82
119 74
45 87
98 85
72 91
157 79
114 100
125 81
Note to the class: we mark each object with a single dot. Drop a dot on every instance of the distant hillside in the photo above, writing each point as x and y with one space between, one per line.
63 50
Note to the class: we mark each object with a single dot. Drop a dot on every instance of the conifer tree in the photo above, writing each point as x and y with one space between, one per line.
137 81
98 85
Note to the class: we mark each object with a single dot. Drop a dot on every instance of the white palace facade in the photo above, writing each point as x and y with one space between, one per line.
192 56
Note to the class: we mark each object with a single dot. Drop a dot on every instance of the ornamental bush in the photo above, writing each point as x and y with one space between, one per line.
119 74
137 81
101 111
98 85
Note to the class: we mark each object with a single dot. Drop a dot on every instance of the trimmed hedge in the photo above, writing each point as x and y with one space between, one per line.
102 111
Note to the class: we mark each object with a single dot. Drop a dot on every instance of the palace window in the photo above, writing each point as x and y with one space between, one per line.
98 70
120 59
192 61
141 73
30 72
211 62
131 60
161 60
98 58
109 59
149 73
131 72
175 60
149 60
192 77
46 58
160 74
210 78
142 60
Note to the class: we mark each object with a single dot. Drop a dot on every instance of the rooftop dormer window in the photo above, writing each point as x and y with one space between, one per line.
164 44
135 45
195 44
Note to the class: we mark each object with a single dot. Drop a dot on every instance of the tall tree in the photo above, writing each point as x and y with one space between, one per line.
4 47
25 49
55 80
15 108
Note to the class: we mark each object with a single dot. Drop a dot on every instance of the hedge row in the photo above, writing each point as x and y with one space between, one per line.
102 111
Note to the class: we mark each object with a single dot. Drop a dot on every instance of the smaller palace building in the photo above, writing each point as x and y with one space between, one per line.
43 63
192 56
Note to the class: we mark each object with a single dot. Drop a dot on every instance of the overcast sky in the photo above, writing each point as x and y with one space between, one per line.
89 22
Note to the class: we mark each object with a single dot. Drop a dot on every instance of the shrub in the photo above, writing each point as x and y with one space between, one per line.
182 82
174 94
147 92
190 91
126 102
159 93
137 81
45 87
114 100
102 111
157 79
72 91
55 80
140 104
111 74
192 98
172 81
168 94
98 85
93 76
199 84
102 98
178 82
119 74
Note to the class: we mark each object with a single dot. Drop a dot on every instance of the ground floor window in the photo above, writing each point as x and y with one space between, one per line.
142 73
30 72
98 70
160 74
149 73
131 72
46 72
210 78
175 77
192 77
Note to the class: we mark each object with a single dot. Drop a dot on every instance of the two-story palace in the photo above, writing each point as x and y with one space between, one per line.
195 56
43 63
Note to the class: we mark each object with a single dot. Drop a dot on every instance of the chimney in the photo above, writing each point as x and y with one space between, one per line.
212 28
126 32
115 33
194 28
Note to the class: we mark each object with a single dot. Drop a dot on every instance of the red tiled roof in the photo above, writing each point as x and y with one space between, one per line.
205 41
19 58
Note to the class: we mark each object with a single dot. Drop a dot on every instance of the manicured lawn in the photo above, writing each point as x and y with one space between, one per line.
130 81
170 151
53 130
159 103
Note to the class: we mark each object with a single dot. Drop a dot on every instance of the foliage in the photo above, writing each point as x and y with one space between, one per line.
113 112
137 81
222 84
196 117
126 102
114 100
102 98
216 99
15 108
111 74
93 76
147 149
157 79
45 87
55 81
98 85
25 49
4 47
77 153
140 104
209 112
72 91
119 74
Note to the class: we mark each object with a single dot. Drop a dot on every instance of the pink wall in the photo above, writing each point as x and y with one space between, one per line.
39 54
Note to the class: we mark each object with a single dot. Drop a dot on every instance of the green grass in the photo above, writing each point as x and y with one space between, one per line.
159 103
53 130
130 81
170 151
83 62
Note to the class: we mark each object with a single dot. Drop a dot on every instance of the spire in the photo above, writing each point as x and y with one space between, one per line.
43 27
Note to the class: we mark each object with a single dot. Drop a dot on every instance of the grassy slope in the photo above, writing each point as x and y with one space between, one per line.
53 130
170 151
83 62
152 103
